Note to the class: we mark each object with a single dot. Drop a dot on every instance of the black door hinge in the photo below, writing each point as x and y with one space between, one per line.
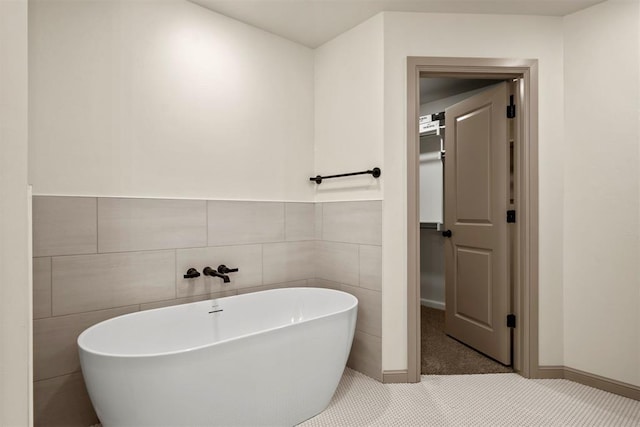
511 320
437 116
511 216
511 108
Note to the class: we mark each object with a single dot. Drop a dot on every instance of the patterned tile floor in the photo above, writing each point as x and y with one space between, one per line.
474 400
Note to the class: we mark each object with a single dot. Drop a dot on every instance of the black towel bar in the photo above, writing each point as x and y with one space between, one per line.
376 172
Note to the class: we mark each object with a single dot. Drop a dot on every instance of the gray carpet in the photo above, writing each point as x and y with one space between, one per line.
442 355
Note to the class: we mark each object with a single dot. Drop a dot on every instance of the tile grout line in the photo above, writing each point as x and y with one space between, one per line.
206 212
175 273
50 286
318 234
201 247
58 376
120 307
262 264
322 227
97 227
173 249
284 218
359 268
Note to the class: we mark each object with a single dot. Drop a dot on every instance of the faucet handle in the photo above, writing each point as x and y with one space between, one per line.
208 271
191 274
223 269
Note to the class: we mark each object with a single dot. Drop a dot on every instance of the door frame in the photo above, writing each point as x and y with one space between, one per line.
525 288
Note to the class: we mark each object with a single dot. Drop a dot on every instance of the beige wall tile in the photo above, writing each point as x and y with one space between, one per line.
369 309
62 402
318 221
247 258
41 287
300 221
327 284
179 301
233 223
371 267
366 355
148 224
94 282
295 284
64 226
55 351
338 262
352 222
285 262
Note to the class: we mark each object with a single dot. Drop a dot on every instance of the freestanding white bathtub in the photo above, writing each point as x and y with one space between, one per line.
271 358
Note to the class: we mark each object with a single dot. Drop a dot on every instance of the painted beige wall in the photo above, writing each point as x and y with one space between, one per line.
123 89
602 191
15 251
348 112
166 99
408 34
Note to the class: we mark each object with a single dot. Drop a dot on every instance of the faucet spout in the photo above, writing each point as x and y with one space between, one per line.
208 271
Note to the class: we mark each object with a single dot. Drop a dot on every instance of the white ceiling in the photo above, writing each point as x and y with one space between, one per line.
314 22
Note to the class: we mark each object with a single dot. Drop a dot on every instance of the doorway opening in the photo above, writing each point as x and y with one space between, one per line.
489 286
453 314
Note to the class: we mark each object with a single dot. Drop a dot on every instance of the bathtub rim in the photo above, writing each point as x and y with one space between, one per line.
354 305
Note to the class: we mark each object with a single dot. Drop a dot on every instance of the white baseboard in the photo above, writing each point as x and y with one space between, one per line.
431 303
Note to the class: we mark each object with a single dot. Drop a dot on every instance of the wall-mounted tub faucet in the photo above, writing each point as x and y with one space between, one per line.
208 271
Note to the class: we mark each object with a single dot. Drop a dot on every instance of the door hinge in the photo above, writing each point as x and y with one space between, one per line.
511 320
511 216
511 108
437 116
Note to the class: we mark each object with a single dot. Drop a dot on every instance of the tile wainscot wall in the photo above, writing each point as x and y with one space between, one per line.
97 258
